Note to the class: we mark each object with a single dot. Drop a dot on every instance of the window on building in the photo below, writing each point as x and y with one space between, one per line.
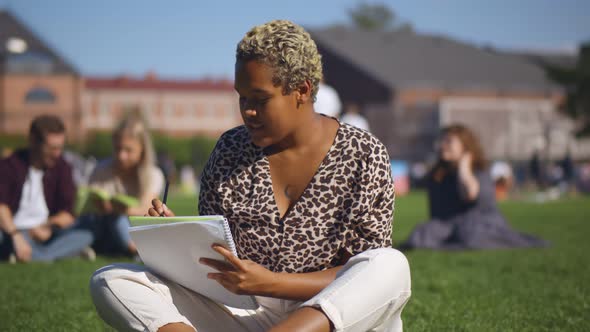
148 109
211 111
179 111
39 95
169 111
29 63
196 111
105 110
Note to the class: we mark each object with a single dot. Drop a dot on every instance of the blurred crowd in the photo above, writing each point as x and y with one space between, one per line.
56 203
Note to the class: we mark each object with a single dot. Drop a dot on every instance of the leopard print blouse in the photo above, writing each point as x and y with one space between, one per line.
348 203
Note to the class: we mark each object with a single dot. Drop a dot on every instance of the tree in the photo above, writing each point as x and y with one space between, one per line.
576 82
372 16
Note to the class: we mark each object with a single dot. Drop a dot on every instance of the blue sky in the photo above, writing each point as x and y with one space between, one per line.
182 38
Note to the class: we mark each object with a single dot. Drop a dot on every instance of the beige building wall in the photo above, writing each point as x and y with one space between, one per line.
177 113
514 128
510 124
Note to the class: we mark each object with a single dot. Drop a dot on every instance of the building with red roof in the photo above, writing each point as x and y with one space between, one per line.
174 107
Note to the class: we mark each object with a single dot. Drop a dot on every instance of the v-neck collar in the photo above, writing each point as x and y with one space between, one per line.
331 150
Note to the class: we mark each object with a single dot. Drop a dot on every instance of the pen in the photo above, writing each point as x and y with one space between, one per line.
165 194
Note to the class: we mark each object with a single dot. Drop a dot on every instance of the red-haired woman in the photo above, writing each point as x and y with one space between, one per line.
463 209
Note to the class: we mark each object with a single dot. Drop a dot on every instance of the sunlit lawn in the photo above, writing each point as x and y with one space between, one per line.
504 290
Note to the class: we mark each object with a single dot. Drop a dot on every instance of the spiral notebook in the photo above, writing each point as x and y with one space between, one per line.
172 246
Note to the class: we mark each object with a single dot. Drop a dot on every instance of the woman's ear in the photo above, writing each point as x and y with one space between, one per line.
303 92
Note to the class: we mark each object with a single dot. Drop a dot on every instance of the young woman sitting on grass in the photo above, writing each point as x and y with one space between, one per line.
310 204
131 171
463 209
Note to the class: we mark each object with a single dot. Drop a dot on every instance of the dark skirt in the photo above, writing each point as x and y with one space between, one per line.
470 231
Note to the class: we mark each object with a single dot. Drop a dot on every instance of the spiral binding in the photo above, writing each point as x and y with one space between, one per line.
229 238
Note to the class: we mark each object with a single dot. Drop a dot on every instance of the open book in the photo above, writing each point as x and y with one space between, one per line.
86 196
125 200
172 246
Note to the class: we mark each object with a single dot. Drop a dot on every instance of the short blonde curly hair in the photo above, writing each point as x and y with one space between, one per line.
288 49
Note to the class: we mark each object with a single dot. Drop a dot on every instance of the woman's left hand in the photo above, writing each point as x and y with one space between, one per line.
242 277
468 181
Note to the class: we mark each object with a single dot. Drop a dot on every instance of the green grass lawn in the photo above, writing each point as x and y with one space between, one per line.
503 290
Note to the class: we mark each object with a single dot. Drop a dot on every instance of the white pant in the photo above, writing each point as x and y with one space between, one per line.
368 294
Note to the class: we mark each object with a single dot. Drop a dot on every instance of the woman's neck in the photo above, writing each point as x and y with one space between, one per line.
307 134
126 173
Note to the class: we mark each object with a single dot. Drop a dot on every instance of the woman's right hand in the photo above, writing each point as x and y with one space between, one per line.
159 209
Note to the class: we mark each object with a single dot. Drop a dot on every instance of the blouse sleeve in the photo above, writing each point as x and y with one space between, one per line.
372 221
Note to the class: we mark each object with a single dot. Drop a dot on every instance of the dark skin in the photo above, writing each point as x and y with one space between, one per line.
295 138
296 141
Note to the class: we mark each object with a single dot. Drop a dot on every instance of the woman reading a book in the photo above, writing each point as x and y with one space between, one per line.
309 201
123 186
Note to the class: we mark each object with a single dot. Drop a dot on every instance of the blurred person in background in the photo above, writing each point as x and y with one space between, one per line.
536 171
568 179
463 209
131 171
354 117
37 194
583 180
327 101
188 181
81 167
503 178
418 172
